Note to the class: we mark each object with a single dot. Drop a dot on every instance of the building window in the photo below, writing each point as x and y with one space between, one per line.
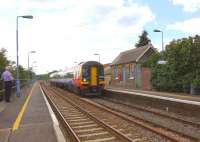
115 72
131 71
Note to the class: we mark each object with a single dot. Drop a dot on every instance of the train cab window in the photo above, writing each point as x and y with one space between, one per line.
85 71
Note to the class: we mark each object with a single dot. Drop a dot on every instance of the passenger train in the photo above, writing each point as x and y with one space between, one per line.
88 79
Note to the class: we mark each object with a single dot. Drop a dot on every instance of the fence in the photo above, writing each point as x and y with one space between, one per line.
23 83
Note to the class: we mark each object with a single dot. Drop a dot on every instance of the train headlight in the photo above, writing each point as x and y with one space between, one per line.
84 81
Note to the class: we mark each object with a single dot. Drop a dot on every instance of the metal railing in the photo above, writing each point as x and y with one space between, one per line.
23 83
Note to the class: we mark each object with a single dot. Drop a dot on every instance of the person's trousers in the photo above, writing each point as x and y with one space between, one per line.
8 88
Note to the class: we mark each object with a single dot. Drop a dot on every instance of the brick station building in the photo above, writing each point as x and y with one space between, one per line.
126 69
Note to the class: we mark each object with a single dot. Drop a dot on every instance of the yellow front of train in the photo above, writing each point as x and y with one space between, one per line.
92 78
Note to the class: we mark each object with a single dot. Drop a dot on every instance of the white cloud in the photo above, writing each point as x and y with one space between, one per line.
7 4
188 5
188 26
65 31
7 35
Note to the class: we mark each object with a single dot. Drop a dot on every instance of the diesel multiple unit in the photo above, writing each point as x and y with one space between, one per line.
88 79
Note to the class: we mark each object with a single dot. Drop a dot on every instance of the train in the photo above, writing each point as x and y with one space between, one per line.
88 79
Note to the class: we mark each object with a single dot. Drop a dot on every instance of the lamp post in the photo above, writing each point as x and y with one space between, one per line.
98 55
17 77
32 69
159 31
33 64
28 63
161 61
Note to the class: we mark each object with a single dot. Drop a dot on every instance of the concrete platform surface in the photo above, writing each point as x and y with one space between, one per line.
2 106
28 119
43 132
176 97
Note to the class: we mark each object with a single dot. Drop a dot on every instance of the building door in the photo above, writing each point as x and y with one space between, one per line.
124 73
138 76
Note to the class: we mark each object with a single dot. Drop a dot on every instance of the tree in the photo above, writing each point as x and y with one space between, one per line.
143 40
42 77
3 63
182 69
69 75
3 60
52 72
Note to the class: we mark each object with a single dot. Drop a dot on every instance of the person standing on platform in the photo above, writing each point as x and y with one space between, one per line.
7 79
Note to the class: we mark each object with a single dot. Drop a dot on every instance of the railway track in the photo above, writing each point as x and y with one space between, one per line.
166 135
82 125
188 122
178 120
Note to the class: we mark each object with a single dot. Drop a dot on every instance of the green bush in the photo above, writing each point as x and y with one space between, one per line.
182 68
196 82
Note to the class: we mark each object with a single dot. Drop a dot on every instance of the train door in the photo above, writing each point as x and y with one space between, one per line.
93 79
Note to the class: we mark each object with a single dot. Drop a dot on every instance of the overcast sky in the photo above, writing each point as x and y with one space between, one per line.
67 31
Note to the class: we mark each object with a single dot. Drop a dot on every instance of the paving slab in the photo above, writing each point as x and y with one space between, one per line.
36 111
35 124
43 132
2 105
10 110
4 135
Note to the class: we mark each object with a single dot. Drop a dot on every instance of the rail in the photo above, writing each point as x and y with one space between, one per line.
162 132
115 133
62 120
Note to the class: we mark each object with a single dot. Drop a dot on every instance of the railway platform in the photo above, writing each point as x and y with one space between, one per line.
29 118
175 97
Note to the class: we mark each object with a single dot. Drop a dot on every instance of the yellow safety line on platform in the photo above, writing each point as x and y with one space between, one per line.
20 115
